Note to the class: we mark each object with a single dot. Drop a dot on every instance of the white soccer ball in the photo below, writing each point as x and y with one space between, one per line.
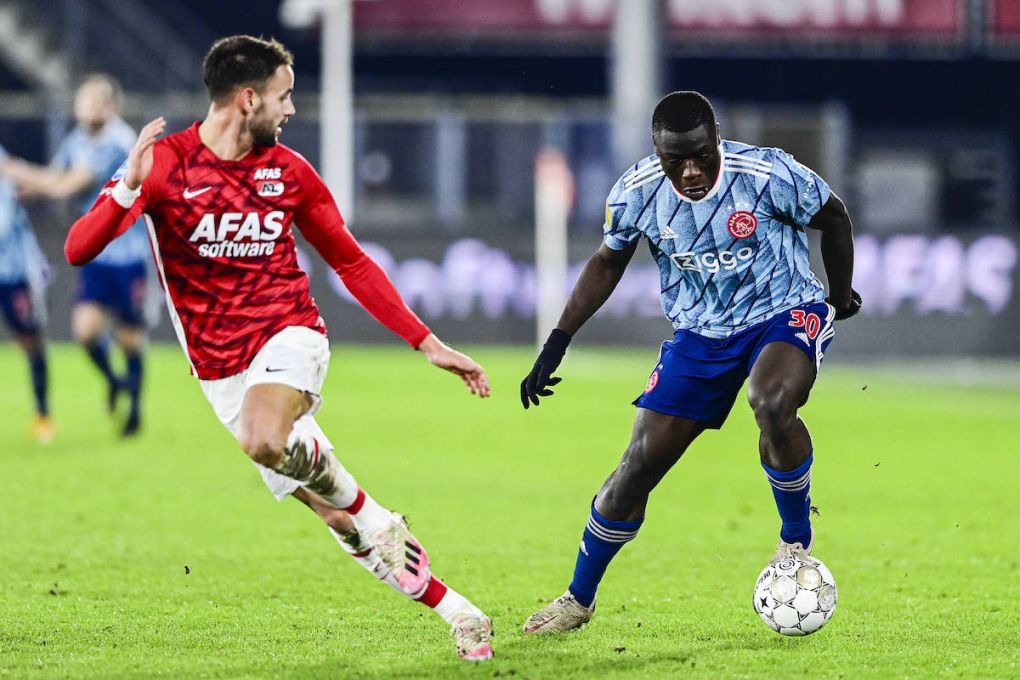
795 596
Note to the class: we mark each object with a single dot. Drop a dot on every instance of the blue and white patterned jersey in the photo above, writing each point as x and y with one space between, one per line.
103 155
20 257
734 258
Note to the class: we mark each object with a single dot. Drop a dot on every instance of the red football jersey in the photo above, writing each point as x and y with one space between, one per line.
222 239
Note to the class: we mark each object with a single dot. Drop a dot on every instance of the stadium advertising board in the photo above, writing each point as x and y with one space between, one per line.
930 294
1003 26
1005 20
933 294
756 18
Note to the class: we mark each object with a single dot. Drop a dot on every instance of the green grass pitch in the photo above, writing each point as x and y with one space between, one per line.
165 556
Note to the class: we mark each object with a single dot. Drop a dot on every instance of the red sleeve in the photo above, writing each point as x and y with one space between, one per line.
105 220
323 226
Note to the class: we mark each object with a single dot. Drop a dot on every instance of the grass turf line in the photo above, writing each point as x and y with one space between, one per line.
913 484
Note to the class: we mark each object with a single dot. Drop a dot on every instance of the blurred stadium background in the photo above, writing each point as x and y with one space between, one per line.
907 107
163 555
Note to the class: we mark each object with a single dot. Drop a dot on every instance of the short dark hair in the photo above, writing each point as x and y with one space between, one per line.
682 112
242 61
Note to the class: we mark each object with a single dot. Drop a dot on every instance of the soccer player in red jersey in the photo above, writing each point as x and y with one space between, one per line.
221 199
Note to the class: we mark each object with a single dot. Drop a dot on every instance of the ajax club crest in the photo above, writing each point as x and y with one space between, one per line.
742 224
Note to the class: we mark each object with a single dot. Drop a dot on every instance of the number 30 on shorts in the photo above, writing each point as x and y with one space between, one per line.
811 323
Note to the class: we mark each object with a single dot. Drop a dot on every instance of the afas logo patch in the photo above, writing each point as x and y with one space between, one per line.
270 187
235 234
742 224
267 173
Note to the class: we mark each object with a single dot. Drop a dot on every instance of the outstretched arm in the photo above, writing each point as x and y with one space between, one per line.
838 255
323 226
117 207
597 282
440 354
42 180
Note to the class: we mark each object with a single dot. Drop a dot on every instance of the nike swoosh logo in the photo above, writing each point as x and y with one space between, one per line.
275 370
192 194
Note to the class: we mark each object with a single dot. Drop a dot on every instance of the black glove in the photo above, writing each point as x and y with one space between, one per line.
540 379
851 309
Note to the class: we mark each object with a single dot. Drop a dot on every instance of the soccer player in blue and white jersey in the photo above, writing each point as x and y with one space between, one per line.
22 273
726 223
115 282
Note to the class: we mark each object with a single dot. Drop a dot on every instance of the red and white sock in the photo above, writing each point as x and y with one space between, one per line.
446 602
368 516
366 557
439 597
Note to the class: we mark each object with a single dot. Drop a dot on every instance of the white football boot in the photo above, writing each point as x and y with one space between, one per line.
473 635
562 614
403 555
364 554
784 549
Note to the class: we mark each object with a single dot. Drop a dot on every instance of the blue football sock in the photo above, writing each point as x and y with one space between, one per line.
37 362
602 539
792 491
133 382
99 351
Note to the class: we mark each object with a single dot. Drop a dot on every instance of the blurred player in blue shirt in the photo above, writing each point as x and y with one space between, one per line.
115 282
22 273
726 222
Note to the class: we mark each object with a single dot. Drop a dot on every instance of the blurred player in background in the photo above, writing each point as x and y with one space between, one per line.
114 283
726 224
22 269
220 199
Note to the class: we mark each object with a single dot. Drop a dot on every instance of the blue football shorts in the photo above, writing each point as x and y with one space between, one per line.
120 289
19 308
698 377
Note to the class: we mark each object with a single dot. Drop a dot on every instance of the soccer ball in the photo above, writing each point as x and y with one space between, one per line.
796 595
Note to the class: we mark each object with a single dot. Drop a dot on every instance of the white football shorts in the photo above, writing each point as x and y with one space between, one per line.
297 357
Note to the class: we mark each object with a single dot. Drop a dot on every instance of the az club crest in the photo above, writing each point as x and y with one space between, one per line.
270 188
742 224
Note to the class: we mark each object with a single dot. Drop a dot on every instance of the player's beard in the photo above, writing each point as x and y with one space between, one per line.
263 131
